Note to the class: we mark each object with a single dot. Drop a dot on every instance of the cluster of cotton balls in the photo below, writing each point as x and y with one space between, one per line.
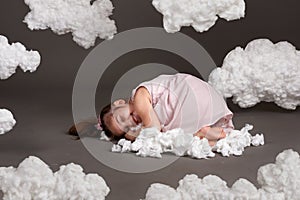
152 143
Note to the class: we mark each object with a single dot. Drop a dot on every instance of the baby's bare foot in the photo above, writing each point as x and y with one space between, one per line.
212 134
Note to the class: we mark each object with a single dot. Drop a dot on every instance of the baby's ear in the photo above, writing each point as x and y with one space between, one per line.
118 102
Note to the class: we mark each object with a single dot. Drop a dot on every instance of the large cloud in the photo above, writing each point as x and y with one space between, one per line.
263 71
85 21
14 55
33 179
200 14
7 121
278 181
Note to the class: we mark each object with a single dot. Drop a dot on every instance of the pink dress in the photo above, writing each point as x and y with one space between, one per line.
184 101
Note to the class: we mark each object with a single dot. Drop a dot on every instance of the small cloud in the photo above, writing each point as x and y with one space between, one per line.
14 55
7 121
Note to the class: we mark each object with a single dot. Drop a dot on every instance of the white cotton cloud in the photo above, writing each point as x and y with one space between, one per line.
280 180
152 143
14 55
33 179
86 22
7 121
200 14
263 71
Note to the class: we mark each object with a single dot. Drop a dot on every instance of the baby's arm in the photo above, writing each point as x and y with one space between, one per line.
143 108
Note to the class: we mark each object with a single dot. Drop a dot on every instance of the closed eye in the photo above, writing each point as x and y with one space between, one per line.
121 120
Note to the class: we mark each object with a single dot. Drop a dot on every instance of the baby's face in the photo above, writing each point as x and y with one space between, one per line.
123 116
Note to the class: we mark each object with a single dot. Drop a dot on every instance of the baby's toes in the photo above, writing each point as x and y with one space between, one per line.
222 134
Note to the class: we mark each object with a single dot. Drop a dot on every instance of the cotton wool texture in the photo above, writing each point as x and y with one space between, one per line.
33 179
86 22
7 121
14 55
200 14
279 180
263 71
153 143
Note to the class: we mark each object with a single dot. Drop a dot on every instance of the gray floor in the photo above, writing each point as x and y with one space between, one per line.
41 127
41 102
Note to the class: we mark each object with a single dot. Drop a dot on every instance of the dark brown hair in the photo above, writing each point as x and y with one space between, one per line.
106 109
88 128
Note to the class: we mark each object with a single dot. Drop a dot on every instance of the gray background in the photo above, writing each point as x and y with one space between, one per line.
41 101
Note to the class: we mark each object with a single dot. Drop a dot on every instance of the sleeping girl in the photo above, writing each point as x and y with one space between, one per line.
166 102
